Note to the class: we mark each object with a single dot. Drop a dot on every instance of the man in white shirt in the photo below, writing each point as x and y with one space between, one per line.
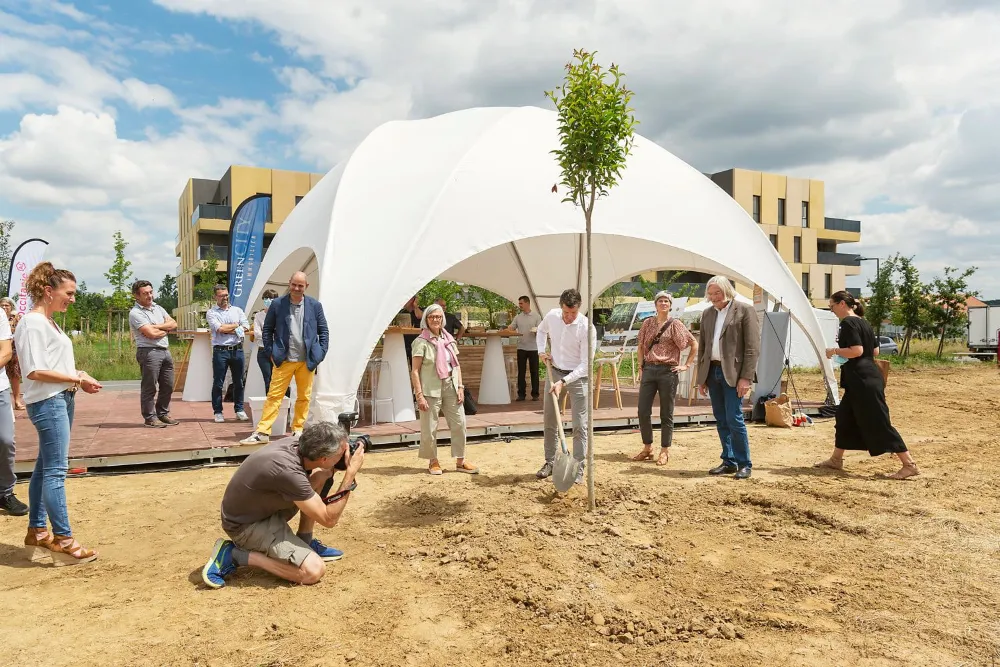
228 325
567 330
526 324
8 501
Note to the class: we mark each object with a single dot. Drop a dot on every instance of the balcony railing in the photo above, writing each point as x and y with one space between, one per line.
211 212
838 258
221 252
841 225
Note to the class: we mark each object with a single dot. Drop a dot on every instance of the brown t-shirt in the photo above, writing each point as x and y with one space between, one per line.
668 350
269 481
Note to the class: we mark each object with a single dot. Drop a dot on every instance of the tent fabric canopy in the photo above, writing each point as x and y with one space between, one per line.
467 196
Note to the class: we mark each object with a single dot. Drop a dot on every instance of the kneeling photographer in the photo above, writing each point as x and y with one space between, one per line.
268 489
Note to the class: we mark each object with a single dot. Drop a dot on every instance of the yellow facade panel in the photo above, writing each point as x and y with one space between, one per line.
757 183
797 191
817 204
771 190
246 182
786 244
743 189
836 235
809 246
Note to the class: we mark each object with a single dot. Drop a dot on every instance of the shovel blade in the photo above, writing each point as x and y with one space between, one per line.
564 471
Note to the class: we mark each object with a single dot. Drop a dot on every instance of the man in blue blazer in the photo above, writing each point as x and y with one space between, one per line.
296 338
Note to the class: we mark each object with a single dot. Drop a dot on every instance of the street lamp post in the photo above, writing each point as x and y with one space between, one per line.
878 274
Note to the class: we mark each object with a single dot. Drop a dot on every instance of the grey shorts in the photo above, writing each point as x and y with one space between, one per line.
274 538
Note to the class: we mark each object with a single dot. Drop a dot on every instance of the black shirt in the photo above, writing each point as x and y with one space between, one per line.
857 331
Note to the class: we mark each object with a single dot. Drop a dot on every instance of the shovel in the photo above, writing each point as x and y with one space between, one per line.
564 466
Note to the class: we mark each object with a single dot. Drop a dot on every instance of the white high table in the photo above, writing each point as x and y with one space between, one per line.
494 385
400 390
198 382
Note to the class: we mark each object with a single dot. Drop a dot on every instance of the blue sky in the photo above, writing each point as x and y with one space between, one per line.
108 107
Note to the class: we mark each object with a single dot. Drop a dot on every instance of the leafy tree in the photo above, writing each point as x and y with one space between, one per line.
879 305
947 312
6 232
911 305
596 133
448 290
207 277
167 294
493 303
120 275
648 288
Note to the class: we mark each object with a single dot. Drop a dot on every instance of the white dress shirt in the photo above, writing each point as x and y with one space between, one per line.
569 342
720 319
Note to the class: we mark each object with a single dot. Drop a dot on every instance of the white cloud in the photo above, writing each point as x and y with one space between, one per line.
892 101
895 102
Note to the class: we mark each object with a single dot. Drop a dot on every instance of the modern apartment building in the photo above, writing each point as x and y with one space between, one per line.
792 212
205 212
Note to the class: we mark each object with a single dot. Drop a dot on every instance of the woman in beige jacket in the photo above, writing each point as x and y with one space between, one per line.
437 382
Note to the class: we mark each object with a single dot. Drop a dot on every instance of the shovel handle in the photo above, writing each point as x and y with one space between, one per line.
556 408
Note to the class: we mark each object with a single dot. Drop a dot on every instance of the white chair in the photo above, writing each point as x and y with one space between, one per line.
630 347
368 393
609 356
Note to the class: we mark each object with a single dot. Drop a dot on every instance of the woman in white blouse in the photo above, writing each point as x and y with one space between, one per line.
51 382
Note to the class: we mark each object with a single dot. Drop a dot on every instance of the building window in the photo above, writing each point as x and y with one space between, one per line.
805 284
796 249
781 211
805 214
774 240
828 287
756 209
297 199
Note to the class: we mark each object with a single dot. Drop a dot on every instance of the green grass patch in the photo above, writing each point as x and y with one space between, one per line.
113 361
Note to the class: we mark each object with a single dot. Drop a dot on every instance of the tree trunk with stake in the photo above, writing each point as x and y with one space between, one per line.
595 124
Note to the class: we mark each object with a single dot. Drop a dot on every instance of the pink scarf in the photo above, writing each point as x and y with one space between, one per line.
445 359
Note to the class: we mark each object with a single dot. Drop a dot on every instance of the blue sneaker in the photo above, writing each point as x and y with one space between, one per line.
220 565
328 554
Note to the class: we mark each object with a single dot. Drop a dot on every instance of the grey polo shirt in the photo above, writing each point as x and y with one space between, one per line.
140 317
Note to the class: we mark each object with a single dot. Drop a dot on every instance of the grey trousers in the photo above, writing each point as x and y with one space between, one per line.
662 380
454 415
157 373
7 477
578 407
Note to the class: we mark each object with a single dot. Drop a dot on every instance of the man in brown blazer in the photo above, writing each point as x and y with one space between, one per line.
729 346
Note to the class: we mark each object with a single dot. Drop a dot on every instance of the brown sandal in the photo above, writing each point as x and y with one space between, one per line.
645 455
67 551
38 545
906 472
664 457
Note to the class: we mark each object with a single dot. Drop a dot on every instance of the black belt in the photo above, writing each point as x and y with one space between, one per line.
227 347
716 363
556 368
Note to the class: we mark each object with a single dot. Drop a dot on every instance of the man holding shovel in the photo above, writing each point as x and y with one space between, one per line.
567 330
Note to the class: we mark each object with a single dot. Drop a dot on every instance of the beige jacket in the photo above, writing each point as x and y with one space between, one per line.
430 383
740 342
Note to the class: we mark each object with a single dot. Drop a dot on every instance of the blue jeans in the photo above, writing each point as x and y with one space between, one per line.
266 367
227 360
728 409
53 419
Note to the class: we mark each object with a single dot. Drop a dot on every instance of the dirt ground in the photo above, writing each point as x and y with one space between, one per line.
791 567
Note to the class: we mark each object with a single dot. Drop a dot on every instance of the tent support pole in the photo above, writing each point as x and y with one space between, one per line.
524 274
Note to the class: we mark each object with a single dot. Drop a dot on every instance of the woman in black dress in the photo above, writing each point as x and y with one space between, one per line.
863 416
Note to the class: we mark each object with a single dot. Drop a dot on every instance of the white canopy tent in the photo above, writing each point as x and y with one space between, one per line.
467 196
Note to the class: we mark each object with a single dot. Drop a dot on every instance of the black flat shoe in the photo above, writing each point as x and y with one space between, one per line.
724 469
742 473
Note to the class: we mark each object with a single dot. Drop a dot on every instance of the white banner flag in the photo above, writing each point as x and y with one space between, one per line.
27 256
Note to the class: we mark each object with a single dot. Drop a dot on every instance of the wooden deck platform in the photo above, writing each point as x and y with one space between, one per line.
108 430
